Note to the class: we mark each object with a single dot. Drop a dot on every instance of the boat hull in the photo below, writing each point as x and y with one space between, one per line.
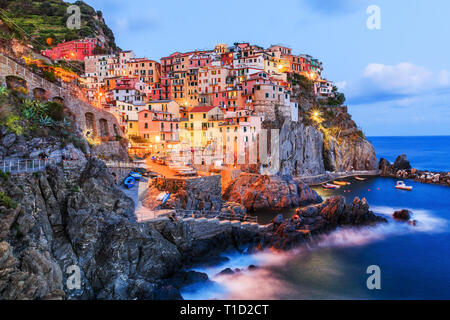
129 182
404 188
341 183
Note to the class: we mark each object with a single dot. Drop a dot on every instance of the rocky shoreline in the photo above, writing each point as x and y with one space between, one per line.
58 219
402 169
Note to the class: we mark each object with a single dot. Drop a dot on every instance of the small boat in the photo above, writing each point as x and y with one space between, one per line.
165 198
341 183
129 182
136 175
360 179
330 186
402 186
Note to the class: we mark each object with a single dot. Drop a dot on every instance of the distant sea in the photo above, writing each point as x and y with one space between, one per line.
414 261
424 153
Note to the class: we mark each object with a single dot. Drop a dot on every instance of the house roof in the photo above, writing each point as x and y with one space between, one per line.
201 109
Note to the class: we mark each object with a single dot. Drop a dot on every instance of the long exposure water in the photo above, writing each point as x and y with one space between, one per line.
414 261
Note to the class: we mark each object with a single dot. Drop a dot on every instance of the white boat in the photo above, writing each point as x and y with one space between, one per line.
161 196
330 186
402 186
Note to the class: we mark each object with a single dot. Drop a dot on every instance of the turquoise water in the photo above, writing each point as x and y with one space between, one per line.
424 153
414 261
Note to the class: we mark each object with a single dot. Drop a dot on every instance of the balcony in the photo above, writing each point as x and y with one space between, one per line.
165 119
216 118
168 130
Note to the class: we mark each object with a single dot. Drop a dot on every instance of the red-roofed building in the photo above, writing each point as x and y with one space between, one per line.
73 50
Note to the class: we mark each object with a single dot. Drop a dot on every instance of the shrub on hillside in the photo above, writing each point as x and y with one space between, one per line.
49 76
55 111
6 201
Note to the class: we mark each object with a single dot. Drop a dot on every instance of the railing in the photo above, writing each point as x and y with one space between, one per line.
196 214
120 164
25 165
17 166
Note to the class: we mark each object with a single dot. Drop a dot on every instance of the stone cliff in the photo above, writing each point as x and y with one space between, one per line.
323 138
335 145
55 219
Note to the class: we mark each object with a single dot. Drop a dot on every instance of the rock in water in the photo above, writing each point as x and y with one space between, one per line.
402 163
317 219
385 166
226 272
403 215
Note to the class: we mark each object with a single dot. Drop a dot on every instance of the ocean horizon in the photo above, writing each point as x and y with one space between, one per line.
424 152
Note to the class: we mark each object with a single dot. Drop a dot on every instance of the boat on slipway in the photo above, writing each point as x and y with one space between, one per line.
341 183
129 182
136 175
330 186
163 197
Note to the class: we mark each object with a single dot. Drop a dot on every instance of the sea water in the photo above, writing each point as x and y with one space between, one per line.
414 261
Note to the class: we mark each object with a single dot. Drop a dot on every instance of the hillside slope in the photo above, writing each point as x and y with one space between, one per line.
36 21
325 138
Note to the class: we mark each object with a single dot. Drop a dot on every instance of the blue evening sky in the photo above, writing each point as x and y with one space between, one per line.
397 79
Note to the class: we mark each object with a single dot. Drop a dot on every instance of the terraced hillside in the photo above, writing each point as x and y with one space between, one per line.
37 20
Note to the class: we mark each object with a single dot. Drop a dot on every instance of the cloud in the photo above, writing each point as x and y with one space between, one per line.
403 78
380 82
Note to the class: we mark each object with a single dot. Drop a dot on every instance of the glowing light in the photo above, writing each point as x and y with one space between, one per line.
316 116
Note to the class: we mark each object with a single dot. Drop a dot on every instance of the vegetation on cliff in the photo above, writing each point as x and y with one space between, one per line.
45 19
32 118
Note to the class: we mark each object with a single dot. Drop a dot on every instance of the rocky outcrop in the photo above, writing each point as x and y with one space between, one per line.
308 148
287 233
402 163
56 220
402 169
256 192
13 146
90 226
403 215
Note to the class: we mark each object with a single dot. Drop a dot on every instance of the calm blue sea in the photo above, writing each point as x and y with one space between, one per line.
424 153
414 261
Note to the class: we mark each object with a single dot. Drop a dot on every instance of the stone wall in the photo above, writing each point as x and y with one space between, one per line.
120 173
203 193
113 150
195 186
71 95
211 185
